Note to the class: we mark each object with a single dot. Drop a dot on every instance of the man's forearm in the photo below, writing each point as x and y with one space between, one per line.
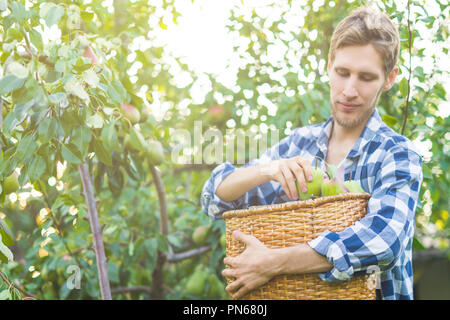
299 259
241 181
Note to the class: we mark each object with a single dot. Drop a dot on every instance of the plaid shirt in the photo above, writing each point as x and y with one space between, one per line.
387 166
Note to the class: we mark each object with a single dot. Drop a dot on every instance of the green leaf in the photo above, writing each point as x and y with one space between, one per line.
6 237
100 152
5 294
10 123
10 83
91 78
417 244
81 137
113 272
113 94
48 129
115 180
389 120
87 16
26 148
419 119
3 5
95 121
60 65
36 40
5 254
109 137
131 248
137 140
74 87
53 15
70 154
19 11
152 246
120 89
37 168
403 86
14 34
21 111
18 70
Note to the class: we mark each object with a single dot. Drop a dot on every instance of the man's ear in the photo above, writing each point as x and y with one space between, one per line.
390 79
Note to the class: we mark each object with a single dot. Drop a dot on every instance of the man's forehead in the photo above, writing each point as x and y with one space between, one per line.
359 59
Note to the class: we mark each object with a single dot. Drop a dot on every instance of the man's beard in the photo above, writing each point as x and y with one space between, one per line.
353 123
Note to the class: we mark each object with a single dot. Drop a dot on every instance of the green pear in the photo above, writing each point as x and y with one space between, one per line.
314 186
131 113
223 240
354 187
155 152
11 183
196 283
331 188
216 287
200 235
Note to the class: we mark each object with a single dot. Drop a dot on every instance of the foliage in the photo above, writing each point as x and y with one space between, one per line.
61 109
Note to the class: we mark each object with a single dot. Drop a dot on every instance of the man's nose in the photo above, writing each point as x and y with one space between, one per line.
350 89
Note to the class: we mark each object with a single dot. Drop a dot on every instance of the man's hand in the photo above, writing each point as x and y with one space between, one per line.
252 268
287 172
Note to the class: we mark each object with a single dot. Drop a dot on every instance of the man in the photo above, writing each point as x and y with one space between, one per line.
363 54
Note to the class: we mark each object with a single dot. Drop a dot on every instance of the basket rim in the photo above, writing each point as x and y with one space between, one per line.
293 205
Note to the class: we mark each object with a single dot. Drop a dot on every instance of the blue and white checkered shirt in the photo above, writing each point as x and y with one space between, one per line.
387 166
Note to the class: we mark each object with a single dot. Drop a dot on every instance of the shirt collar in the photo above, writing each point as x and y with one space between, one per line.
369 132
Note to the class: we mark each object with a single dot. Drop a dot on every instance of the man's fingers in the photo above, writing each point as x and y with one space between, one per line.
245 238
299 174
243 290
306 166
234 286
228 273
229 261
290 182
282 181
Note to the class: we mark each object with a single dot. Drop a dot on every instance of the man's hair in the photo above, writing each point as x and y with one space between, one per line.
367 25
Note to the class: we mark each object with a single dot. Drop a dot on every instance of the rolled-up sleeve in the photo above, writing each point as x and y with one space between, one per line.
211 203
267 193
382 235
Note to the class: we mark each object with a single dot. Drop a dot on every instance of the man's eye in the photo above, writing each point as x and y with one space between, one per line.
342 73
367 79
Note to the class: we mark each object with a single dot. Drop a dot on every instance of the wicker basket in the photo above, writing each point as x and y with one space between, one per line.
287 224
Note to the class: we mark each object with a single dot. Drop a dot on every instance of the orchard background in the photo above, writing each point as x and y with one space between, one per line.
99 213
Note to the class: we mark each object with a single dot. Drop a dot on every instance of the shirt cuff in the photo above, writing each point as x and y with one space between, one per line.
214 206
330 246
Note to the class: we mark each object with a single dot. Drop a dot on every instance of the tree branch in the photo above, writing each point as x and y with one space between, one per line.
157 275
176 257
409 69
10 284
96 232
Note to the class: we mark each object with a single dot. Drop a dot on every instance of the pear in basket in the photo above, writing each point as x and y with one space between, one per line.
313 186
332 187
354 187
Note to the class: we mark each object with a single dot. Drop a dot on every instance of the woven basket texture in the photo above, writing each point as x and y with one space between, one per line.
291 223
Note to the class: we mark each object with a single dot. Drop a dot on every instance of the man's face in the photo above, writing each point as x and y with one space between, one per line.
356 82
